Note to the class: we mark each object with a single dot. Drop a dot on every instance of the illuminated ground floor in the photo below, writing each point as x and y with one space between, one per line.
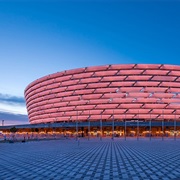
97 129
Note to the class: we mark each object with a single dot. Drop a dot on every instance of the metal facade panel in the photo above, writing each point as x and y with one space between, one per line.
131 91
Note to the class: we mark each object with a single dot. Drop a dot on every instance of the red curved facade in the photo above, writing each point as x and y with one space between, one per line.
133 91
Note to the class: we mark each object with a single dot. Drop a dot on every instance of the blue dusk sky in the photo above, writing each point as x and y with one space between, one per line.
42 37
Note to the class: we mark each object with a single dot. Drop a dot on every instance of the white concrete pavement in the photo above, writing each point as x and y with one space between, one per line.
94 159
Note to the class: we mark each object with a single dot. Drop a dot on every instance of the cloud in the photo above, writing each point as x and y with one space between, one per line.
11 99
12 104
13 119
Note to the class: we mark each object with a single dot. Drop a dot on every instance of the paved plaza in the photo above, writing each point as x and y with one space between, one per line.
94 159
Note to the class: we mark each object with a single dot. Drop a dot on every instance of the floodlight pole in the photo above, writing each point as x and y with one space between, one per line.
89 126
137 130
150 133
89 130
54 129
125 128
138 127
163 127
113 126
175 127
101 127
77 126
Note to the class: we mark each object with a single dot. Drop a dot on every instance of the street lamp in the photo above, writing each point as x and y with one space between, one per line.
125 128
110 100
138 126
2 122
101 127
175 127
162 125
150 133
77 126
113 126
137 135
89 126
54 129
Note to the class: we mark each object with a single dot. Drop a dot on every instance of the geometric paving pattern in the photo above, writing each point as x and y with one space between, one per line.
133 91
94 159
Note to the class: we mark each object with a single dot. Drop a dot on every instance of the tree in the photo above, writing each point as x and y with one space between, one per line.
37 131
13 130
32 130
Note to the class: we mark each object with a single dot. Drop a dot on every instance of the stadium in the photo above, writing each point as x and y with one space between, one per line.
118 100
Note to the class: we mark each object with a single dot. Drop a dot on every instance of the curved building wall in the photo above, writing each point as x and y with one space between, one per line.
134 91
